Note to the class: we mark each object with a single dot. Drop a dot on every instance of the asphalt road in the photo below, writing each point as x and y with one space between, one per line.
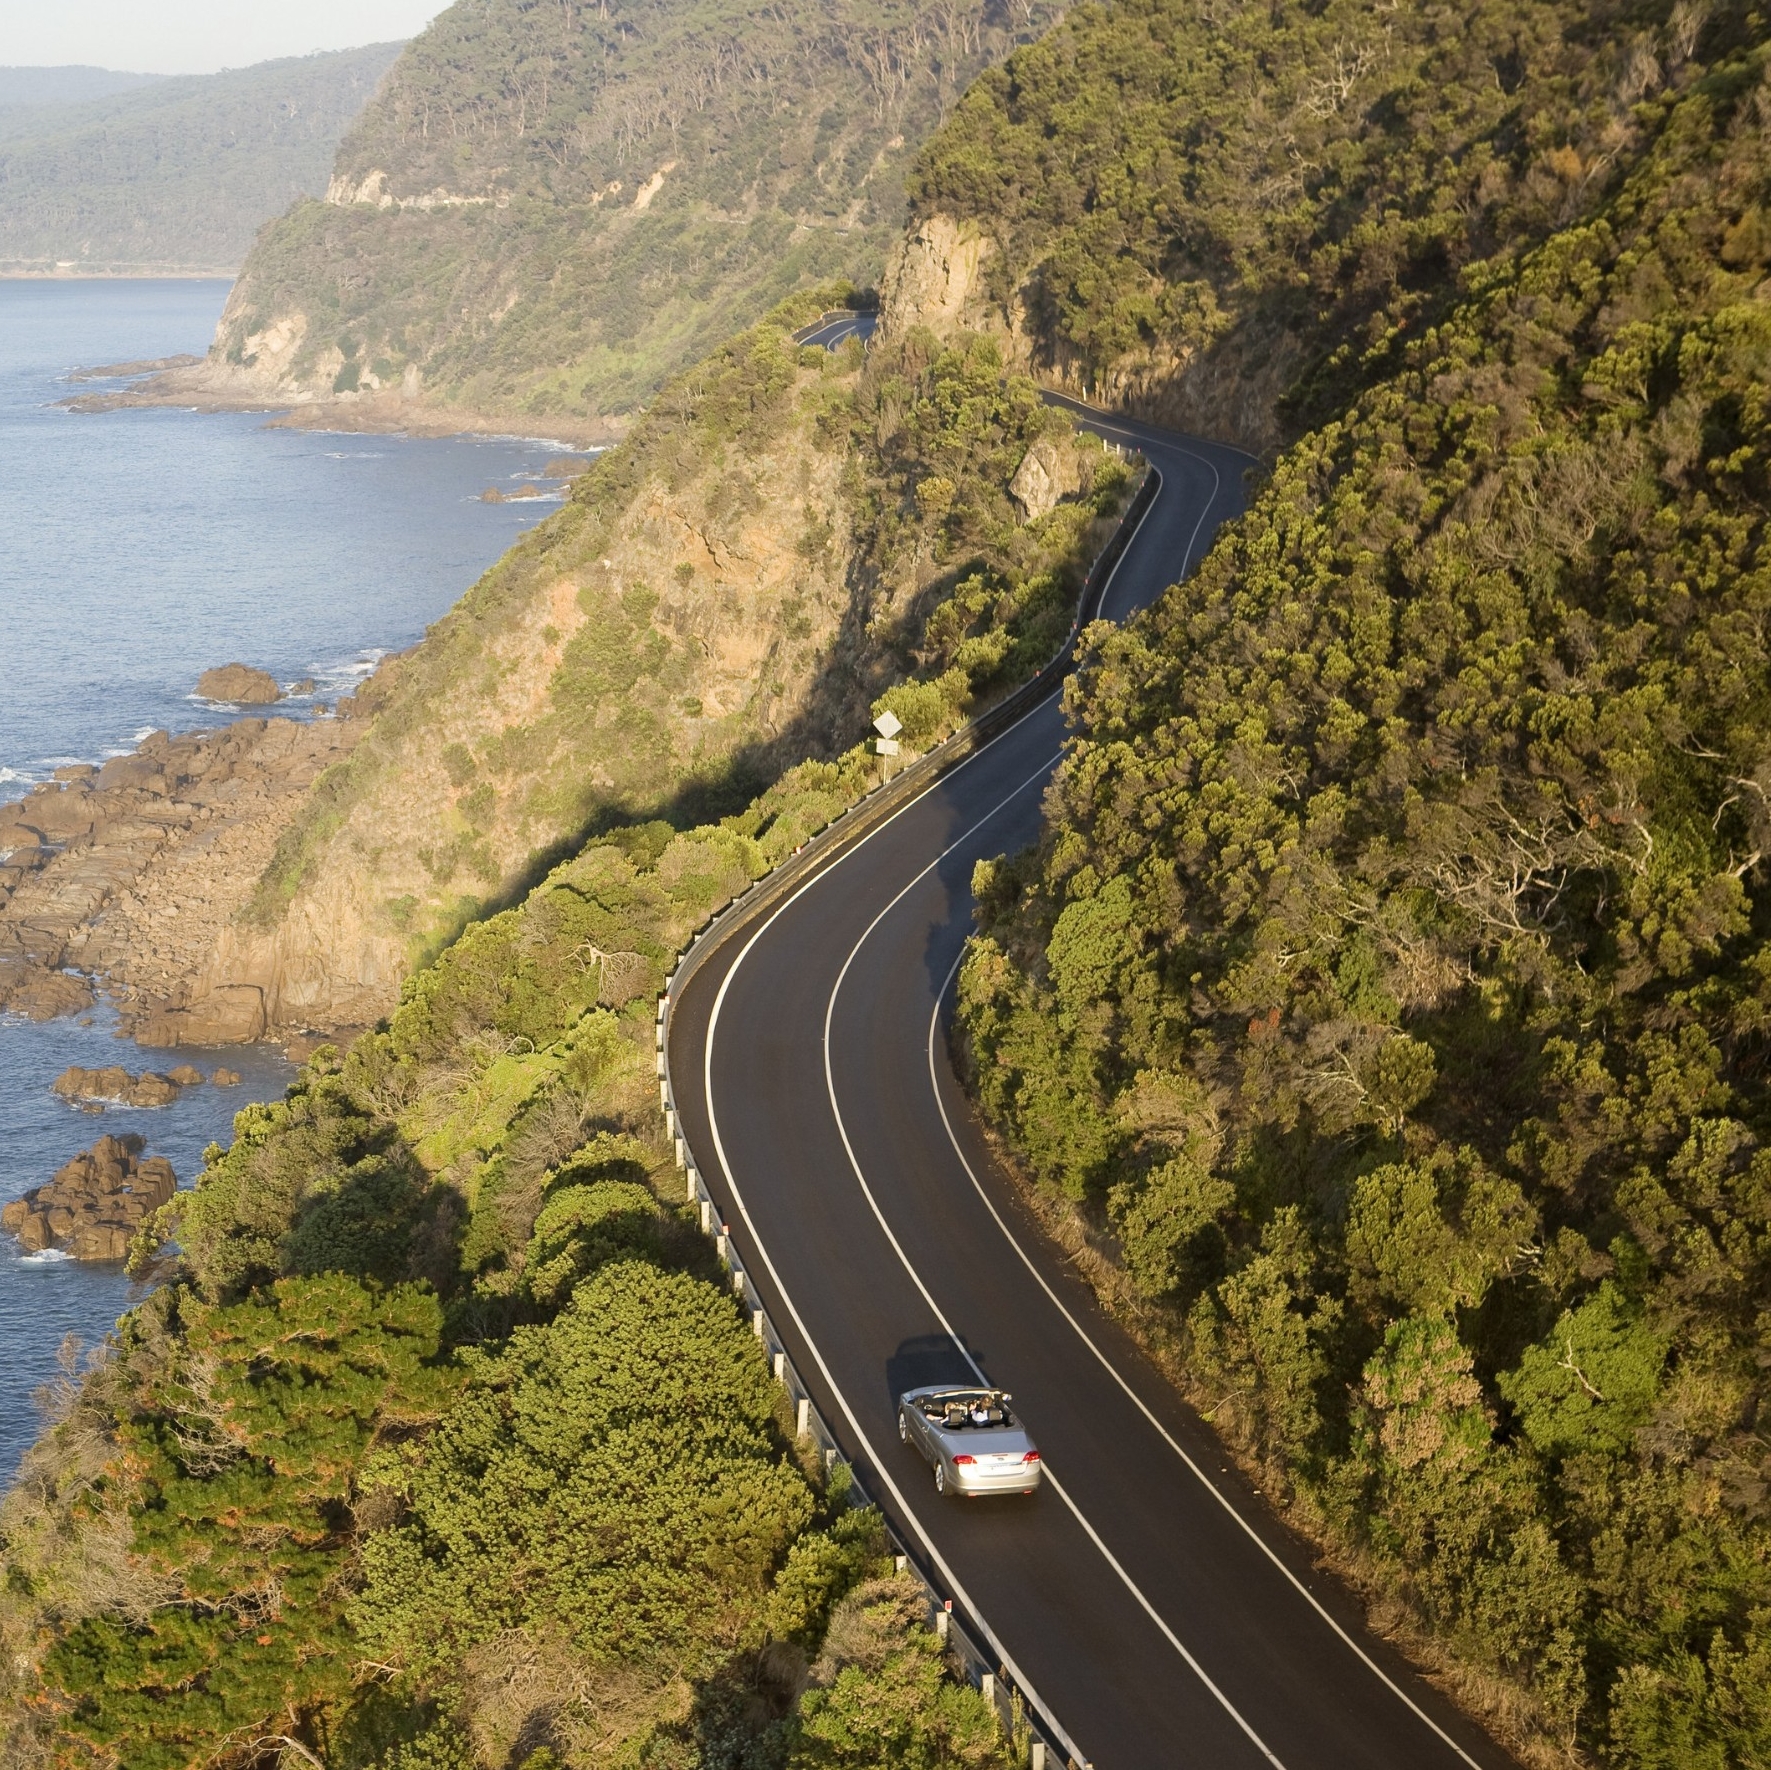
1160 1612
833 329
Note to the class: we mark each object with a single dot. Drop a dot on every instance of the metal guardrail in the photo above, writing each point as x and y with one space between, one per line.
1022 1715
966 1654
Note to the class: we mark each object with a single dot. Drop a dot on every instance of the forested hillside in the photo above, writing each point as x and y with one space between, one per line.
444 1445
172 174
549 210
1204 213
1389 994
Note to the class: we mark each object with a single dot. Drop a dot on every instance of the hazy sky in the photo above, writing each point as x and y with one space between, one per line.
195 36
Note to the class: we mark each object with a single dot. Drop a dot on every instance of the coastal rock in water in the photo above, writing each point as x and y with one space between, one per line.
226 1078
186 1076
95 1203
39 993
115 1084
239 683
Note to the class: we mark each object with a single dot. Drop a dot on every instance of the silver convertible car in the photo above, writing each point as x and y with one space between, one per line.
974 1443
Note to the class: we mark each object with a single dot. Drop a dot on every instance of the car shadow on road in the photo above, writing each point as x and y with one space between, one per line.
928 1358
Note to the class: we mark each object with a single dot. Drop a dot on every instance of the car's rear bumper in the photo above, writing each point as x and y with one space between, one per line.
1014 1479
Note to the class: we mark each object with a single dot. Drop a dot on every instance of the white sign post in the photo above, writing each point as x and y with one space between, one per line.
888 725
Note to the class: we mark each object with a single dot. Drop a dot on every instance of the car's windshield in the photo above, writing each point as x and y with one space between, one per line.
958 1409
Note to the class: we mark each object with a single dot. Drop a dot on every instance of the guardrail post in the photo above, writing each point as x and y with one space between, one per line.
802 1423
1036 1757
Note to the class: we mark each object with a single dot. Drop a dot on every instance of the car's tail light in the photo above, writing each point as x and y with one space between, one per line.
1031 1457
963 1458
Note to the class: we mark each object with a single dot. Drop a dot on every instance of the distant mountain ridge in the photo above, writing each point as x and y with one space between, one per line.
546 212
167 174
32 87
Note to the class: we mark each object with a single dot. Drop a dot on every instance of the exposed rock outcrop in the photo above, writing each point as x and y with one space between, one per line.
240 684
95 1203
934 278
115 1086
131 873
1050 472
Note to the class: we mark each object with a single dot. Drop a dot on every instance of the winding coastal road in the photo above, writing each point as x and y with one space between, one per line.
1162 1614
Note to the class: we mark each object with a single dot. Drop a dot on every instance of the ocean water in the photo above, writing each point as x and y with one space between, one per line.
138 548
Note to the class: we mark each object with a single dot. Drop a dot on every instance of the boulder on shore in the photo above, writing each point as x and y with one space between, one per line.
239 683
95 1204
115 1085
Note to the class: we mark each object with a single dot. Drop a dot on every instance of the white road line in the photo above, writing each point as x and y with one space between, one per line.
935 1308
935 1557
1175 1641
1112 1370
905 1510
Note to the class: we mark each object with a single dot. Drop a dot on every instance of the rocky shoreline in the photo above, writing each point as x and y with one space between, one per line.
201 385
95 1203
125 877
113 1085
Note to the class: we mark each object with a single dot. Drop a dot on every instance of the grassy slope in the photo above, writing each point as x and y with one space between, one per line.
179 173
1406 1042
548 291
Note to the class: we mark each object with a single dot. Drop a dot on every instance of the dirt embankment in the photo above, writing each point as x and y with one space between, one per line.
127 876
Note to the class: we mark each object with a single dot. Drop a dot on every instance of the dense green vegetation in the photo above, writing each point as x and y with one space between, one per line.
444 1444
1207 211
549 210
174 174
1389 990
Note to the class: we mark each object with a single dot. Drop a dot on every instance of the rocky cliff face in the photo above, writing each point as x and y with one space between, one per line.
131 872
949 275
682 619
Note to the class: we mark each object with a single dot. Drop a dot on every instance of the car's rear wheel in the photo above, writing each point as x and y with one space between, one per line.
903 1428
940 1478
